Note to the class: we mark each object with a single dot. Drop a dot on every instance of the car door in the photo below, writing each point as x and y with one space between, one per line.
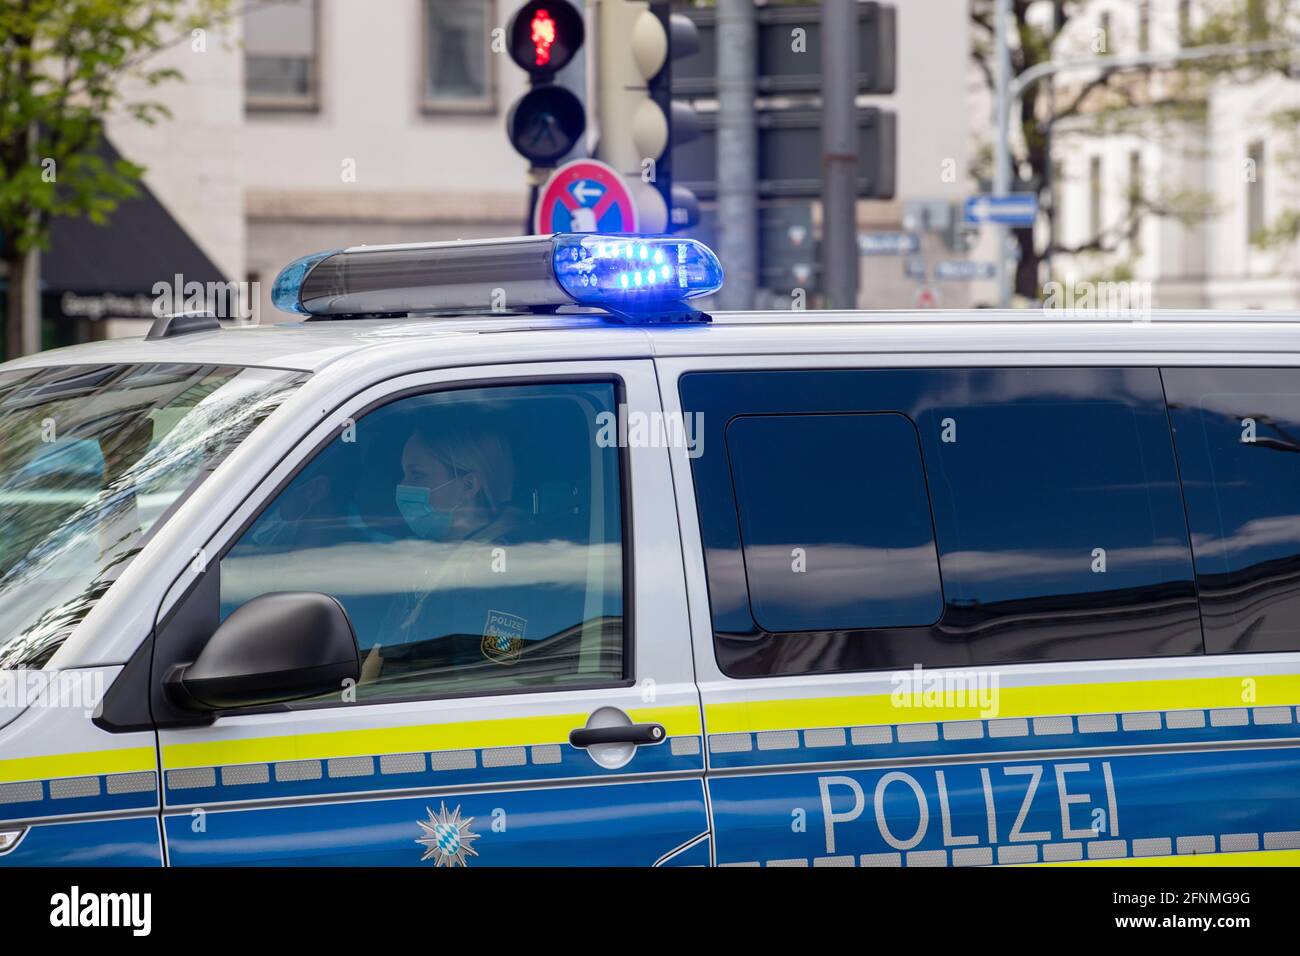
953 616
513 576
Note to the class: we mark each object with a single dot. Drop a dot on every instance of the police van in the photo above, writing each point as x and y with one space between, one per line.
505 553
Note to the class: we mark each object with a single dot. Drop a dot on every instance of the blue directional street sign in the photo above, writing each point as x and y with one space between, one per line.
1014 209
963 270
888 243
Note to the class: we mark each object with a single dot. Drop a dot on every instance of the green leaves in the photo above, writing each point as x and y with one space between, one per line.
63 67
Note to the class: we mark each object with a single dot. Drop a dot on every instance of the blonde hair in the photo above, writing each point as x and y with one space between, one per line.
475 446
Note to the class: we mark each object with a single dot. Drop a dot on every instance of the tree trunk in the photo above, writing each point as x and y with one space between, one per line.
22 303
1026 282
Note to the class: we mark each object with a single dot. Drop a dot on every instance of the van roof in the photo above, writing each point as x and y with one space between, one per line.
313 345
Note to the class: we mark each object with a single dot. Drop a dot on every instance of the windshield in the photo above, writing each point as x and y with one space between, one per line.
91 459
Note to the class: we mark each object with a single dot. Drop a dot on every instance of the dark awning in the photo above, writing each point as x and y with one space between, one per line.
141 245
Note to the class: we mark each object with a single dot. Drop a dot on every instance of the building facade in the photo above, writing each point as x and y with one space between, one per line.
304 125
1188 181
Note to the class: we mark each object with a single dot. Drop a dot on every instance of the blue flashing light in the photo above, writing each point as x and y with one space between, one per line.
285 292
635 277
639 279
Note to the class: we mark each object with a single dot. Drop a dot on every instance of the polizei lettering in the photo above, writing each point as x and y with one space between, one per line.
962 806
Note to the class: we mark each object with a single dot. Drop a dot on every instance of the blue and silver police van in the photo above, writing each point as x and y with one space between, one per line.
504 553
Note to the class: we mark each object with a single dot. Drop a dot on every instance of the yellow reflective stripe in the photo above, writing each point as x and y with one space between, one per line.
87 764
1257 858
1035 701
681 721
468 735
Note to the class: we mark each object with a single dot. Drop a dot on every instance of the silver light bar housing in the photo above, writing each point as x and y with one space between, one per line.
483 275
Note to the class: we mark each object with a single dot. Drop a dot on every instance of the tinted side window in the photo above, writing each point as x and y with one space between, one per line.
835 521
1057 518
1059 509
1238 437
474 537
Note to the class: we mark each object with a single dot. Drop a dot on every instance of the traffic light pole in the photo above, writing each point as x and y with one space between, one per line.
1001 146
840 152
738 152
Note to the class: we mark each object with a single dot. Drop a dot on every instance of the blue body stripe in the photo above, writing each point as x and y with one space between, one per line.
627 824
131 841
574 764
104 803
1157 799
997 745
697 855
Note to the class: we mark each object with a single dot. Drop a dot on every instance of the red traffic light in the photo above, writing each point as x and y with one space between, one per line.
544 35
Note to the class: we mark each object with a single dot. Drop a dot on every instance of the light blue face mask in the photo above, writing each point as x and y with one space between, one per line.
420 516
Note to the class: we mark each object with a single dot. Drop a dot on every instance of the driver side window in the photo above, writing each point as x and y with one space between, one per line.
473 536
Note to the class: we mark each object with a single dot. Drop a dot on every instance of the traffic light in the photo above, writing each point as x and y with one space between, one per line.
683 123
638 120
548 120
789 123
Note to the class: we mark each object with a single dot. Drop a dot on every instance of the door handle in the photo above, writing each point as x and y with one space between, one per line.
628 734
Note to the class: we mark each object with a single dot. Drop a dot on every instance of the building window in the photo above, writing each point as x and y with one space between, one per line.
1094 198
1135 199
281 50
1257 19
1104 26
1144 26
1255 223
458 72
1184 22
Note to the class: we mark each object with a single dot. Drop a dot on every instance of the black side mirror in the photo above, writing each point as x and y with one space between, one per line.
278 647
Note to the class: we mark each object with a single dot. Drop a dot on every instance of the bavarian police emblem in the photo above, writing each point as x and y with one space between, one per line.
446 838
503 637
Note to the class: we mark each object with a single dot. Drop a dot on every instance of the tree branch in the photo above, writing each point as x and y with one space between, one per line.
1096 83
1110 239
982 63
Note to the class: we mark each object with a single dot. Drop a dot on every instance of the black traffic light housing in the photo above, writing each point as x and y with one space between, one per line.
548 120
545 123
683 123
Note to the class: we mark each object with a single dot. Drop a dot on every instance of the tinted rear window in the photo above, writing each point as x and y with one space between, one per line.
835 521
1238 435
1057 517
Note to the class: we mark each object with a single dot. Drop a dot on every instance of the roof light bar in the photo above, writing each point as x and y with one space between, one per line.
635 275
638 279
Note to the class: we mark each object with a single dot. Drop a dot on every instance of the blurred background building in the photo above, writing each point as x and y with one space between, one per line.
1192 177
315 124
303 125
1180 176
